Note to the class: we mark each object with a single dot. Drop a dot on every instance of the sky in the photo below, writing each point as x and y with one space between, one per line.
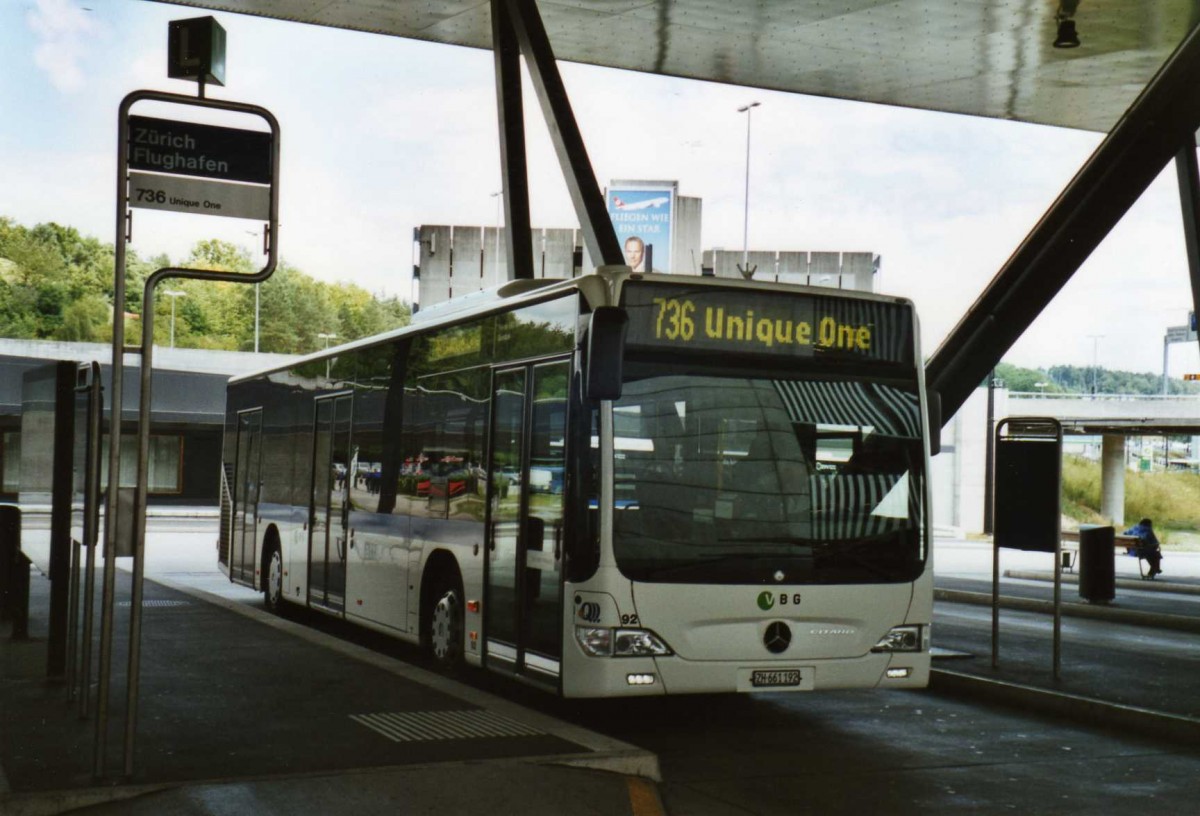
380 135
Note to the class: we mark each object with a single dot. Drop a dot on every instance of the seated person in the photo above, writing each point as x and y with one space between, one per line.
1147 546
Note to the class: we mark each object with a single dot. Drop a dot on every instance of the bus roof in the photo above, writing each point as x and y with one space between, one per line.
514 294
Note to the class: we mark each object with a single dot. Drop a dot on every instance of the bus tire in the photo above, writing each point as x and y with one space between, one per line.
273 576
445 623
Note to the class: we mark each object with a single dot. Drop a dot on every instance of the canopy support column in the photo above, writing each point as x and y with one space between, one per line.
513 162
1112 478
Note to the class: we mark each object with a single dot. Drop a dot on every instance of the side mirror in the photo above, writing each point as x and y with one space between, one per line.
933 410
606 352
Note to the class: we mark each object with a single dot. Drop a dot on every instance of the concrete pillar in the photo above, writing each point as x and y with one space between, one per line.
1112 478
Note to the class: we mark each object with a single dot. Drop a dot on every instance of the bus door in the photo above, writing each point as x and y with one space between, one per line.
247 483
329 512
526 494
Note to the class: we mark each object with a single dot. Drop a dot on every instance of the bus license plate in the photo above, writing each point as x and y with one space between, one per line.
767 679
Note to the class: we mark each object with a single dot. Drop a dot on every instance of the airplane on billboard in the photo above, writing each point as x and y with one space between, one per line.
641 205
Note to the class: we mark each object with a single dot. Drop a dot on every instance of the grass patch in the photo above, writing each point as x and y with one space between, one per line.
1172 500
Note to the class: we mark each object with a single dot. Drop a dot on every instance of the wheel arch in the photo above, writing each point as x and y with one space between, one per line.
441 565
271 541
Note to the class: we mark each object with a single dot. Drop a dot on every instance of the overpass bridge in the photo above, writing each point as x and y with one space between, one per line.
1112 414
1114 417
959 472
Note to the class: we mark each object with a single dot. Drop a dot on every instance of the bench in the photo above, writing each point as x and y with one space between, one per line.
1122 545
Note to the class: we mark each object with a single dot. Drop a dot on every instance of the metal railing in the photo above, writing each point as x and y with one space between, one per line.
1046 395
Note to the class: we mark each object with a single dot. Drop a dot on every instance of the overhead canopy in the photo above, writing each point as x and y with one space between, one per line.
992 58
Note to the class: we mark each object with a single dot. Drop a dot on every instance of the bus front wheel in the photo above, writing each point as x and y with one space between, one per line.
446 625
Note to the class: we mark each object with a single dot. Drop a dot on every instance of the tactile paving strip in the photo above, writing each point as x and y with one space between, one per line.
414 726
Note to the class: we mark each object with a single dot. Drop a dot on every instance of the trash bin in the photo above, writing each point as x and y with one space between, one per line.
1096 563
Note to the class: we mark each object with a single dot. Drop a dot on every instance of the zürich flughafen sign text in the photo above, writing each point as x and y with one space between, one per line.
190 149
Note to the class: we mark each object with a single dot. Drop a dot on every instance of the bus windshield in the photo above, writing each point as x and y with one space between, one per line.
752 479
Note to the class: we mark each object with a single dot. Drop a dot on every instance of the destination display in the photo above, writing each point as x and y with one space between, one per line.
715 319
191 149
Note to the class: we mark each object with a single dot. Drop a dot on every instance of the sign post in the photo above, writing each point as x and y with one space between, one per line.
1028 507
184 167
1177 334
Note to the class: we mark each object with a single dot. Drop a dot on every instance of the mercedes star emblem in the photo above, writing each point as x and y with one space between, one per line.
778 637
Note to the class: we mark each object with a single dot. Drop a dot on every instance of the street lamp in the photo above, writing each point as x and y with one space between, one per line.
256 285
748 110
499 196
172 296
1096 338
327 338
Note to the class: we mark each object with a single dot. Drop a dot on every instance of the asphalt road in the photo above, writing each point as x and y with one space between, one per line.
888 752
883 753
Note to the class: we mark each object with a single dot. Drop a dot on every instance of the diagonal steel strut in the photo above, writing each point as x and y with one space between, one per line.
598 234
1157 125
513 163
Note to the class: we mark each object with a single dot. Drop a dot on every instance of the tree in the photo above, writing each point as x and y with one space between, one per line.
1025 379
55 282
85 320
220 256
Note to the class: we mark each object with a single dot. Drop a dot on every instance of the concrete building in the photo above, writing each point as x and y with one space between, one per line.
838 270
459 260
958 474
187 418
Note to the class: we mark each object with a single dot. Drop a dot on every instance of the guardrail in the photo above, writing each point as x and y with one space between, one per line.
1045 395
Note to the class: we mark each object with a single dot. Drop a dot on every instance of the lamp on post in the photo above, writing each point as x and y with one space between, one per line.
745 270
327 338
172 295
256 300
499 196
1096 338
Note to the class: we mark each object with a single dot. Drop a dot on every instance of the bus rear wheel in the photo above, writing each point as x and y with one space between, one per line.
273 581
446 625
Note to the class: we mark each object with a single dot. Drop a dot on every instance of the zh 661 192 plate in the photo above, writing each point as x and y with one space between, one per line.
768 679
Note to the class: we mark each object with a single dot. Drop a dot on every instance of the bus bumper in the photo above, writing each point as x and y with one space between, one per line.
640 677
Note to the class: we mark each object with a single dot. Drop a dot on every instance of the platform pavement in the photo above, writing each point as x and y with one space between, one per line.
1129 663
1090 689
229 728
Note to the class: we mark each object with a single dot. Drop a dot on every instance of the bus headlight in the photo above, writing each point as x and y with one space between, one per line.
594 642
639 643
601 642
900 639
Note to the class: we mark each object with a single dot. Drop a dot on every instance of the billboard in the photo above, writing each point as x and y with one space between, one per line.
643 215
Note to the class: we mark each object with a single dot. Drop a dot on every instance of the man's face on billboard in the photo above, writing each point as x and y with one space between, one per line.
634 250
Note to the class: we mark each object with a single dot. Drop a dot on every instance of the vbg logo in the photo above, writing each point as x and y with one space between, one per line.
766 600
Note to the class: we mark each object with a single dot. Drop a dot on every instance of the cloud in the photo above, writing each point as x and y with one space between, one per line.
63 30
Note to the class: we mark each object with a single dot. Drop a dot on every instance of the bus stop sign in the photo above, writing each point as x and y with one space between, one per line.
205 169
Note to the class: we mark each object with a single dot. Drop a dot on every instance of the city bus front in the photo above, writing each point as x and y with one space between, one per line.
761 515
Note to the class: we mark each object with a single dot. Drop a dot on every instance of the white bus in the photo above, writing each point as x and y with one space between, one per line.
621 484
